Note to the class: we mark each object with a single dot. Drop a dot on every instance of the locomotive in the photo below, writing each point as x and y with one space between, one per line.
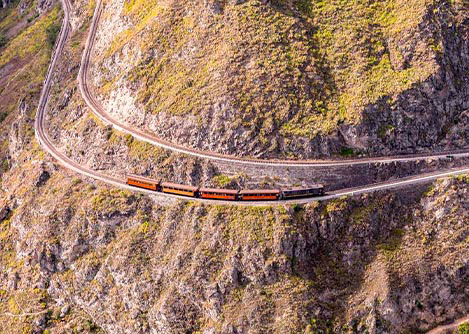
225 194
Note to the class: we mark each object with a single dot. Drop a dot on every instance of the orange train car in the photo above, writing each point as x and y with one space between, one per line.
143 182
224 194
179 189
260 194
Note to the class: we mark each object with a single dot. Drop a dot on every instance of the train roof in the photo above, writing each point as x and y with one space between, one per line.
260 191
179 186
137 177
221 191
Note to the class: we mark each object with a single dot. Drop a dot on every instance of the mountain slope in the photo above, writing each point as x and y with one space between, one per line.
77 256
289 78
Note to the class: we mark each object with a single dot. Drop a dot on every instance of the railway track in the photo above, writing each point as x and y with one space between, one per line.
48 146
46 143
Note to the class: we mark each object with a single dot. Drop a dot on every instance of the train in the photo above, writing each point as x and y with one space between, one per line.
224 194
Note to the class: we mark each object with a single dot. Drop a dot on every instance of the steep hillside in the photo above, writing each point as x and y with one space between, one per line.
28 30
289 78
77 256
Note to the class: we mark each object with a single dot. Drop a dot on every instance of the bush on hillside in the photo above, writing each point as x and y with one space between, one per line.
52 33
463 329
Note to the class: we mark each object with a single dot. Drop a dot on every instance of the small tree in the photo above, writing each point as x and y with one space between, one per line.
463 328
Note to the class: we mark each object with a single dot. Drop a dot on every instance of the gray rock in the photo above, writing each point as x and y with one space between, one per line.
4 213
64 311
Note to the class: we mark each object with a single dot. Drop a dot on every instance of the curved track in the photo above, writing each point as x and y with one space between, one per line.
46 143
101 113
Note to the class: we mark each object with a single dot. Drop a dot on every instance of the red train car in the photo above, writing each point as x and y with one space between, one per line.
143 182
179 189
260 194
224 194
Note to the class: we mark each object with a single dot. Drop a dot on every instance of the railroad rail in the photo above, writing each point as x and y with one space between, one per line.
452 327
48 146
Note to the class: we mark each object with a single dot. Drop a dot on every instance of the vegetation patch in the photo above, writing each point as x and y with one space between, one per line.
3 40
463 328
393 242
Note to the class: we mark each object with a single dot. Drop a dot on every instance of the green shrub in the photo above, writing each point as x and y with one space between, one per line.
32 18
347 152
297 208
5 166
222 180
3 114
463 328
52 33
